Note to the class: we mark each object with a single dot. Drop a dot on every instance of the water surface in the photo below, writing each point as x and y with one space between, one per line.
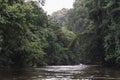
76 72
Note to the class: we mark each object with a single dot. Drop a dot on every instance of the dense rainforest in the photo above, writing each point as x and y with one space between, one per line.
89 33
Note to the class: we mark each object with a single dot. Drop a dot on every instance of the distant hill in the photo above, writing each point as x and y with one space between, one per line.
74 19
60 16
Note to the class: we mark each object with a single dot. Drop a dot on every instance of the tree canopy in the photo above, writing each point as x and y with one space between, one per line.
88 33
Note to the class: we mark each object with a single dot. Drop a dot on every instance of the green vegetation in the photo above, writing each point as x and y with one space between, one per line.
29 37
100 42
89 33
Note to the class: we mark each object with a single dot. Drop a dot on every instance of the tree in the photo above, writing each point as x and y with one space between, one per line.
20 46
77 17
104 14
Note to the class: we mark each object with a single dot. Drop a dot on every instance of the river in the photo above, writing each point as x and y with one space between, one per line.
76 72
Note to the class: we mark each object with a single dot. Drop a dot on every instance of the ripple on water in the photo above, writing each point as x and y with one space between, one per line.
77 72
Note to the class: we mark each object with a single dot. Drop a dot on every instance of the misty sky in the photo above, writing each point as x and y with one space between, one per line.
54 5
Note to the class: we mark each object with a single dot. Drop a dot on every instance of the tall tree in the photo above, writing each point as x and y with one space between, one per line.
77 17
104 14
20 46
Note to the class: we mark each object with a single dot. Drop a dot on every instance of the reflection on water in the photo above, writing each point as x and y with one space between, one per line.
77 72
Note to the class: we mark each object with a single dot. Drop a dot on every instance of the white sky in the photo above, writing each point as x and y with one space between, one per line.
54 5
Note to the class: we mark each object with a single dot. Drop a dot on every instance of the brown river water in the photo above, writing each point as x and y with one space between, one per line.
74 72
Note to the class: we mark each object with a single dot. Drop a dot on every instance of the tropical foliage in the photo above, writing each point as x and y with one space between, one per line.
89 33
